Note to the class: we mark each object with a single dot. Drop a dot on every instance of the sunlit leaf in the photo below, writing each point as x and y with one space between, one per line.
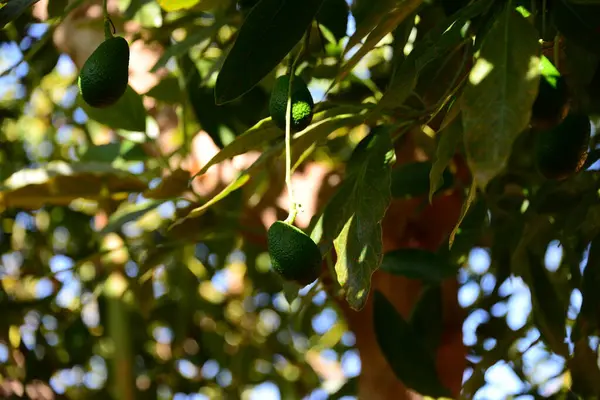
368 15
60 183
265 131
385 26
127 213
175 5
180 48
352 218
432 46
497 101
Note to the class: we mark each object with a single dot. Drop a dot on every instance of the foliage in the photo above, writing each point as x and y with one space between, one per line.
131 268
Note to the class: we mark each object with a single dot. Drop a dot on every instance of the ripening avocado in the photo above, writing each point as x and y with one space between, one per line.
302 103
551 99
105 75
562 150
293 253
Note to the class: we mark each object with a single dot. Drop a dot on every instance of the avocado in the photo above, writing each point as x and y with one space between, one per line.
561 151
105 74
551 99
302 103
293 253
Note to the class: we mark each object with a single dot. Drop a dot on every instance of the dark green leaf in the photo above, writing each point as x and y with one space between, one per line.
579 23
271 30
412 179
548 310
497 101
13 9
334 16
404 350
446 148
128 113
211 117
427 318
418 264
56 8
588 320
167 90
583 367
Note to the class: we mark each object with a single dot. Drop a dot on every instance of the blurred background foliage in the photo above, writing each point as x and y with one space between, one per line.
100 299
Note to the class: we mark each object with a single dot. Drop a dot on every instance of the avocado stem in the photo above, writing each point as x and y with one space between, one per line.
288 138
109 27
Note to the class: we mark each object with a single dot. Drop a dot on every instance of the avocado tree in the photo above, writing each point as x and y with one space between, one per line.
374 199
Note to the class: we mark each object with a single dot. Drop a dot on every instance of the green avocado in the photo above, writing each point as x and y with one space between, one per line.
302 103
105 74
293 253
562 150
551 99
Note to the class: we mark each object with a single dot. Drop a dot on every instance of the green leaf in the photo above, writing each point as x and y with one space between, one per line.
265 131
588 321
333 15
181 48
166 90
446 148
352 219
368 15
404 350
176 5
437 42
388 23
464 211
548 310
271 30
11 10
497 100
127 113
211 117
583 367
127 213
172 185
315 131
412 179
418 264
427 317
60 183
57 8
253 139
107 153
